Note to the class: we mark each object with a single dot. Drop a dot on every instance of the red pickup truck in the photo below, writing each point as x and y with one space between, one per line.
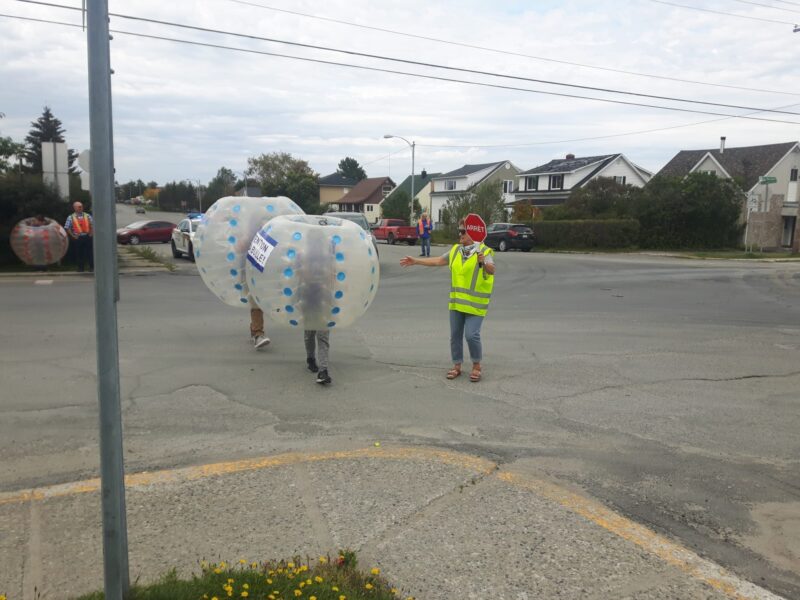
395 230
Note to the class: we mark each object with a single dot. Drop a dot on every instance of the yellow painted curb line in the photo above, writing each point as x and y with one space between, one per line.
674 554
145 478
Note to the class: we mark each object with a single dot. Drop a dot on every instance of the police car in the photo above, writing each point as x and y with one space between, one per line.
183 238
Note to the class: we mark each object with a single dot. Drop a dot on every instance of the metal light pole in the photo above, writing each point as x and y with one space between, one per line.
413 146
115 530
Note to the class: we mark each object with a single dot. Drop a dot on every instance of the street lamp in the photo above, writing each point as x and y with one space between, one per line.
412 145
199 191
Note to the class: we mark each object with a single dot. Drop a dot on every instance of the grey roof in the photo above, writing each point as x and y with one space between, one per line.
568 165
337 179
746 164
419 183
470 169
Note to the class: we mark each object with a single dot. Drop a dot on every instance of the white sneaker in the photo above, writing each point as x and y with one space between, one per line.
260 341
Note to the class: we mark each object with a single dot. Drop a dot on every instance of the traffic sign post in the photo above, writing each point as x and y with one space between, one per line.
768 180
476 227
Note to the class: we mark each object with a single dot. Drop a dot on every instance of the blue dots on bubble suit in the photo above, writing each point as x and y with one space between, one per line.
223 238
320 261
293 323
270 208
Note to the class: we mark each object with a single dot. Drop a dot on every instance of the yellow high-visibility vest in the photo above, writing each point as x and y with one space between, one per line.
470 287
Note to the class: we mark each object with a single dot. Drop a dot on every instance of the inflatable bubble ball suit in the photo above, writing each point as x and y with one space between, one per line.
223 237
313 272
39 245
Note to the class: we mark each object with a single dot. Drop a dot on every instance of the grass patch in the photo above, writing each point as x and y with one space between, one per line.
325 579
149 254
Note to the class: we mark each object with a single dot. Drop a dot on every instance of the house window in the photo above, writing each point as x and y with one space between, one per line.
386 190
556 182
619 179
508 186
532 183
369 207
793 175
450 185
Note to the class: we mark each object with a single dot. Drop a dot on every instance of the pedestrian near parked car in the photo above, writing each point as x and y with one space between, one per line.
80 227
472 272
424 227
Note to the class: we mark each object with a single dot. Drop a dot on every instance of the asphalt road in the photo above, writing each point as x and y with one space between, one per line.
665 388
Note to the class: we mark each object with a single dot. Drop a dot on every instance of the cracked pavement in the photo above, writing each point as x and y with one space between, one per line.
664 388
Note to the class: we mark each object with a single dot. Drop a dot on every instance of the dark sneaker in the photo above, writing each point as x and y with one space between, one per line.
312 365
323 377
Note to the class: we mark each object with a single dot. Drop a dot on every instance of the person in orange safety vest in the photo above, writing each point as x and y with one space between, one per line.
80 227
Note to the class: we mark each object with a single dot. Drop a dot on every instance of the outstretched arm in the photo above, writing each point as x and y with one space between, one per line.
428 261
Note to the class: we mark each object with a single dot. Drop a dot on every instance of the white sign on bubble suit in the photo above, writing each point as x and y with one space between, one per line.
223 238
322 272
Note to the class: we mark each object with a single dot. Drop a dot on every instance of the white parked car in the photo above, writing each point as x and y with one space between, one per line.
183 238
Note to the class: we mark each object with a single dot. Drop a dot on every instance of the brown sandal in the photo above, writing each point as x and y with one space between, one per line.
453 373
475 375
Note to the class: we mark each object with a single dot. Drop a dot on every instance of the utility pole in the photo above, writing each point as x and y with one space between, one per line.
116 575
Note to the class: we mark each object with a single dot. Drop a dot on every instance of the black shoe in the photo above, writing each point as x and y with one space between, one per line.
323 377
312 365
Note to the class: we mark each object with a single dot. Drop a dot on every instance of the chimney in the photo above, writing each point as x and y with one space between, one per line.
722 144
570 156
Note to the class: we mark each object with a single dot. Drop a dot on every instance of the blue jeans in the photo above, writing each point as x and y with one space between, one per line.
467 326
426 246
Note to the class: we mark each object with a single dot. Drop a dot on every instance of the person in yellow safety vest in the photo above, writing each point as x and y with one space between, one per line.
472 271
80 227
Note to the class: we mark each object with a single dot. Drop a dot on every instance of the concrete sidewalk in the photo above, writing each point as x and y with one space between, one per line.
439 524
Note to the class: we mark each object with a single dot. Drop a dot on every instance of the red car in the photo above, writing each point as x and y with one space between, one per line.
145 232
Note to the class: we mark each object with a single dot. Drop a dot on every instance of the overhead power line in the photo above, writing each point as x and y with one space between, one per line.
719 12
418 63
430 77
586 139
508 52
794 12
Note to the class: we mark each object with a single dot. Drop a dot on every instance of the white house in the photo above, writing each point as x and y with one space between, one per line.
768 177
466 178
553 182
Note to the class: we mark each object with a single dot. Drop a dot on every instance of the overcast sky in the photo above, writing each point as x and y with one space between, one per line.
182 111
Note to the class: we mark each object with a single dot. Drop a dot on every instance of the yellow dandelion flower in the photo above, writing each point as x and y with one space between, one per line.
230 580
318 579
304 568
271 597
322 560
312 598
375 571
245 594
301 585
254 564
203 564
269 581
335 589
223 564
368 586
242 561
297 593
214 598
246 586
309 582
290 565
217 570
342 597
393 591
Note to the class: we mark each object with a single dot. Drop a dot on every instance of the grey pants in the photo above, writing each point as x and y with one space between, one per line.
322 338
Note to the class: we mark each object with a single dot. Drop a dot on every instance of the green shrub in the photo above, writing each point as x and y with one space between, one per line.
600 234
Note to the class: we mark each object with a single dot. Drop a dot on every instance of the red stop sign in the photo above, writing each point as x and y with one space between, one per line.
476 228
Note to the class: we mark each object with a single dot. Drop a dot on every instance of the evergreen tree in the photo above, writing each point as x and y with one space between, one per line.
46 128
350 168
